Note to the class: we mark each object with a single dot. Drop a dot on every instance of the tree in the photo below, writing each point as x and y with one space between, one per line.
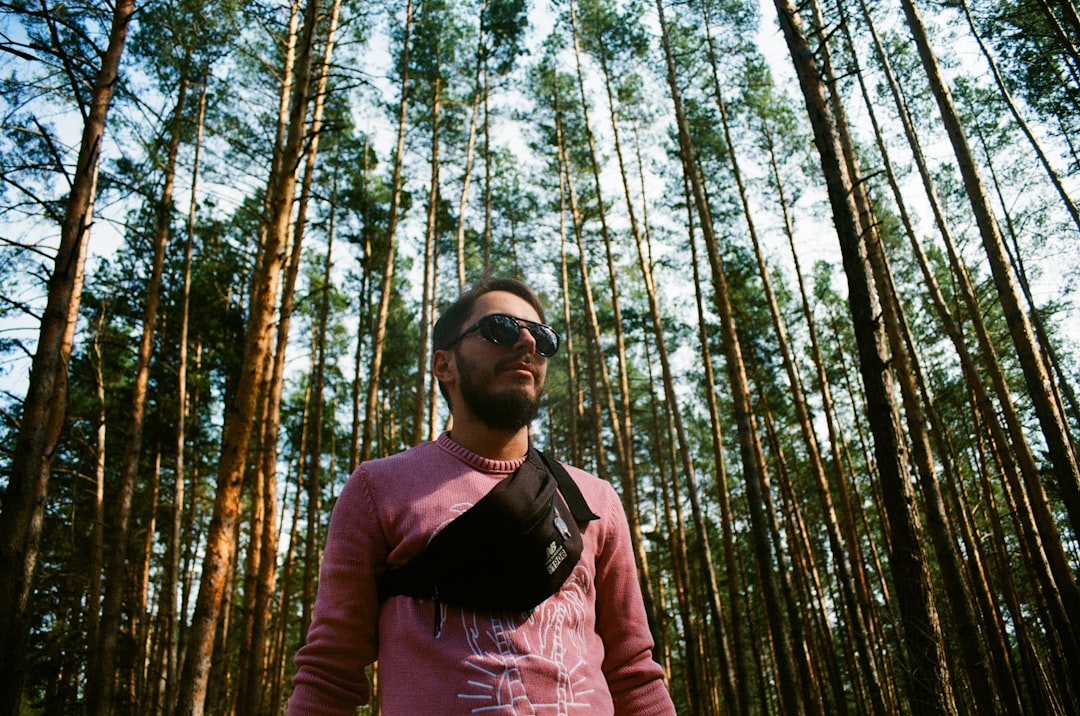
239 417
43 407
930 690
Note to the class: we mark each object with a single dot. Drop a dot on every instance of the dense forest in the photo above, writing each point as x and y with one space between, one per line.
815 266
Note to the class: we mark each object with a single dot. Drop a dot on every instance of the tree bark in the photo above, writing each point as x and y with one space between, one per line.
1051 420
100 682
44 406
221 546
751 454
929 686
379 339
427 300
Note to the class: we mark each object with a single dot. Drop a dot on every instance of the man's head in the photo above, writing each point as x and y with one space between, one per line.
490 349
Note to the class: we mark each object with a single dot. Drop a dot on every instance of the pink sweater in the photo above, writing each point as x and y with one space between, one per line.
585 650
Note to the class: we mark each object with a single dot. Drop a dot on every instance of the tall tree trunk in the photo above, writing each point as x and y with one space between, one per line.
97 533
752 458
427 301
695 683
44 406
236 433
628 472
314 427
1062 457
378 340
479 89
572 379
1044 545
929 687
260 587
820 641
140 620
621 421
168 619
735 594
363 301
100 682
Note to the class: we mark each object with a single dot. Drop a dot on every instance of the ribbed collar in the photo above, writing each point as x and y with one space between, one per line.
478 462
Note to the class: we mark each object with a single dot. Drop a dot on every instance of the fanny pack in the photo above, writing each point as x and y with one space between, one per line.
510 551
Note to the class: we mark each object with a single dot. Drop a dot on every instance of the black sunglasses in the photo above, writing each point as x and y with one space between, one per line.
504 330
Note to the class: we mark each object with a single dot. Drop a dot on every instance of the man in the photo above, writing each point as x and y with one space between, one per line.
586 649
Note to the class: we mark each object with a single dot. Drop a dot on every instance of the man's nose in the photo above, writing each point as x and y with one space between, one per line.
525 343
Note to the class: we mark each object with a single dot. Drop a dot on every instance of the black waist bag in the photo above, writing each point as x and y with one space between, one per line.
510 551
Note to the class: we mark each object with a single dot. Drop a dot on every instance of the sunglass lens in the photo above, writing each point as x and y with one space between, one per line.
547 341
501 330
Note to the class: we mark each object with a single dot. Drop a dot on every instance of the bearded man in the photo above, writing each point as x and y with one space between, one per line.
461 634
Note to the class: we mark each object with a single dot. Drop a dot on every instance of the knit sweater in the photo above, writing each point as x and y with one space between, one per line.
585 650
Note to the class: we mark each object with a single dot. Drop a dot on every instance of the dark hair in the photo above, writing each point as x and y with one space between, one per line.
452 320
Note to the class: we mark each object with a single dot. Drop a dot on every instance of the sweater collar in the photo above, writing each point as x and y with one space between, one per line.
478 462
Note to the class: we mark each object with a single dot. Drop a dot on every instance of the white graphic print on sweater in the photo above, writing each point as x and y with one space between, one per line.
507 650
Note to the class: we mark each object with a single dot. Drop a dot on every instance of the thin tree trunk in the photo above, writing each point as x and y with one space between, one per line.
1051 421
694 681
820 641
363 301
168 619
315 430
929 686
628 471
621 421
857 584
671 405
281 630
742 703
221 547
749 445
379 338
427 301
479 90
572 380
46 396
97 533
100 682
140 619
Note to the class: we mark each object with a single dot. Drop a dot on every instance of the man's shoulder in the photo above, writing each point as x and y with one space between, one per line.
591 486
422 454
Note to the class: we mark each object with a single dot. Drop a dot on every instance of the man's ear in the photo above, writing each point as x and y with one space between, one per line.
443 366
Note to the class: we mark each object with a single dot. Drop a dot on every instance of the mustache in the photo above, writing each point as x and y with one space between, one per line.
520 358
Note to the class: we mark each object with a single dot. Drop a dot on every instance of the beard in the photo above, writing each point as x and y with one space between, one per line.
511 408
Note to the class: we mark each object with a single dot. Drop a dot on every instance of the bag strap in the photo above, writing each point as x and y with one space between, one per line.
569 489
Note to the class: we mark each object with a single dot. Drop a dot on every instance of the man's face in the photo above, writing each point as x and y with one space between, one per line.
500 385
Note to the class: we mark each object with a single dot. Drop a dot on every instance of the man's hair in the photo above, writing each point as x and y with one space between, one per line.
452 321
